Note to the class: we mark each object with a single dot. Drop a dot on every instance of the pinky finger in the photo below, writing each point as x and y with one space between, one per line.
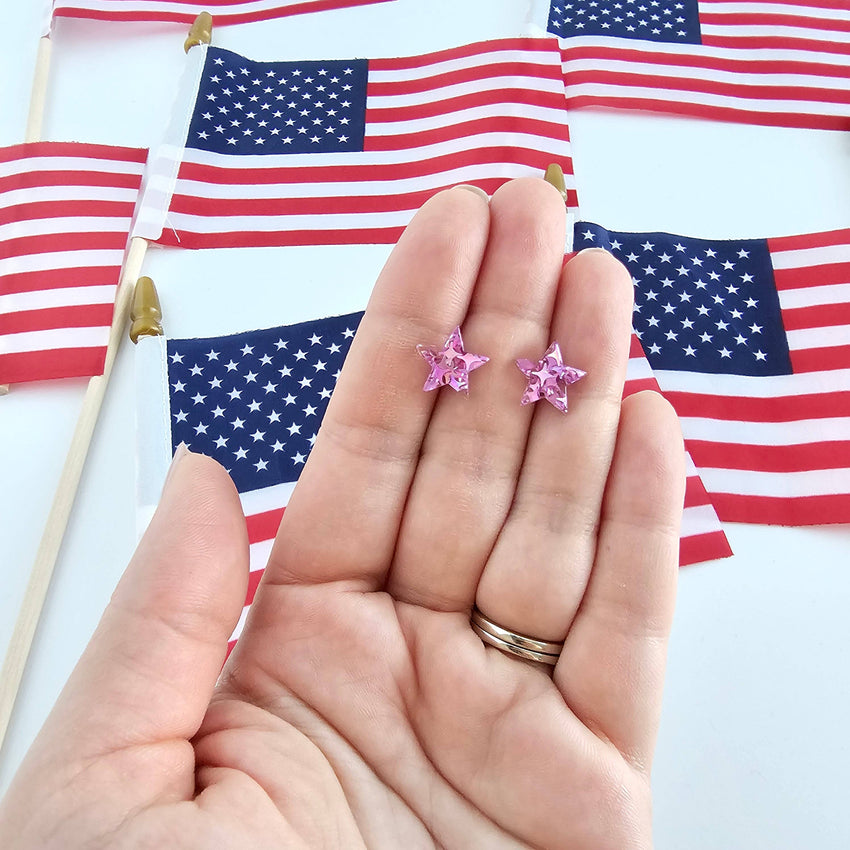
611 671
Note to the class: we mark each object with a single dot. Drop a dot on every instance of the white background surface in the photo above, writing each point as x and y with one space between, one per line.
753 751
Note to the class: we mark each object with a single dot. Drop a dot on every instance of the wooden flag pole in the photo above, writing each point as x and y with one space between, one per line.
38 98
63 501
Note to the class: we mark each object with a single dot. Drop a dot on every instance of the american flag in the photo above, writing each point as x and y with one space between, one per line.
766 62
185 11
65 215
254 402
750 342
345 151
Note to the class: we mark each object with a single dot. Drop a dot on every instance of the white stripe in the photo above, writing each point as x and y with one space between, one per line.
799 432
285 224
266 499
812 296
531 59
700 519
721 8
354 188
240 625
57 194
258 554
62 260
75 164
58 338
72 296
803 257
60 226
734 30
746 386
638 369
642 65
182 8
778 484
736 101
821 337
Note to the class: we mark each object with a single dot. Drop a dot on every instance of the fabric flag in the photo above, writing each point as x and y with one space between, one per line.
345 151
750 341
185 11
775 62
254 402
65 215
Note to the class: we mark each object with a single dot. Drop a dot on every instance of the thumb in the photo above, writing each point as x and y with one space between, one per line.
149 671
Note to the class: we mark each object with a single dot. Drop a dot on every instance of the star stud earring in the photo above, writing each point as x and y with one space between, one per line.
451 364
549 378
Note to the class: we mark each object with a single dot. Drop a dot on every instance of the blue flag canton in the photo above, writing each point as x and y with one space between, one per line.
674 21
700 305
247 107
254 401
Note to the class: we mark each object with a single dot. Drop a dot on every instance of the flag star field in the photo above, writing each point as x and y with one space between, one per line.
254 401
249 107
701 305
674 21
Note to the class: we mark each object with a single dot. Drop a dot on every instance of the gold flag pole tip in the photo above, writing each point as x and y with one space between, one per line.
555 176
200 32
146 313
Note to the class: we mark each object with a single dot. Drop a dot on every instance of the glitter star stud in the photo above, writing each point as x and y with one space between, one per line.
549 378
451 364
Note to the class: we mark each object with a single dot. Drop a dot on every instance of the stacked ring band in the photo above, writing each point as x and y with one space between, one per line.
544 651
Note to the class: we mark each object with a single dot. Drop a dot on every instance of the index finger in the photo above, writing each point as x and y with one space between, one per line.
344 526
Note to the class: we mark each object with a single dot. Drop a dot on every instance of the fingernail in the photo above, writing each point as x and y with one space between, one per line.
592 251
477 190
181 452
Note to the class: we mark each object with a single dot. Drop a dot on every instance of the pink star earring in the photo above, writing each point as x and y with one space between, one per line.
451 364
549 378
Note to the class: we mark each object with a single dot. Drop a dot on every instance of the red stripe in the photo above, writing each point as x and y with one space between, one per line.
777 42
800 278
782 4
49 243
694 58
744 89
59 279
47 179
820 359
695 493
521 126
702 547
823 239
115 153
221 17
532 45
45 365
39 210
741 20
263 526
715 113
253 582
818 316
638 385
794 458
86 316
769 510
776 409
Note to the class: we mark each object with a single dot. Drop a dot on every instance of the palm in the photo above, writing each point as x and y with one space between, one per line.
359 708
